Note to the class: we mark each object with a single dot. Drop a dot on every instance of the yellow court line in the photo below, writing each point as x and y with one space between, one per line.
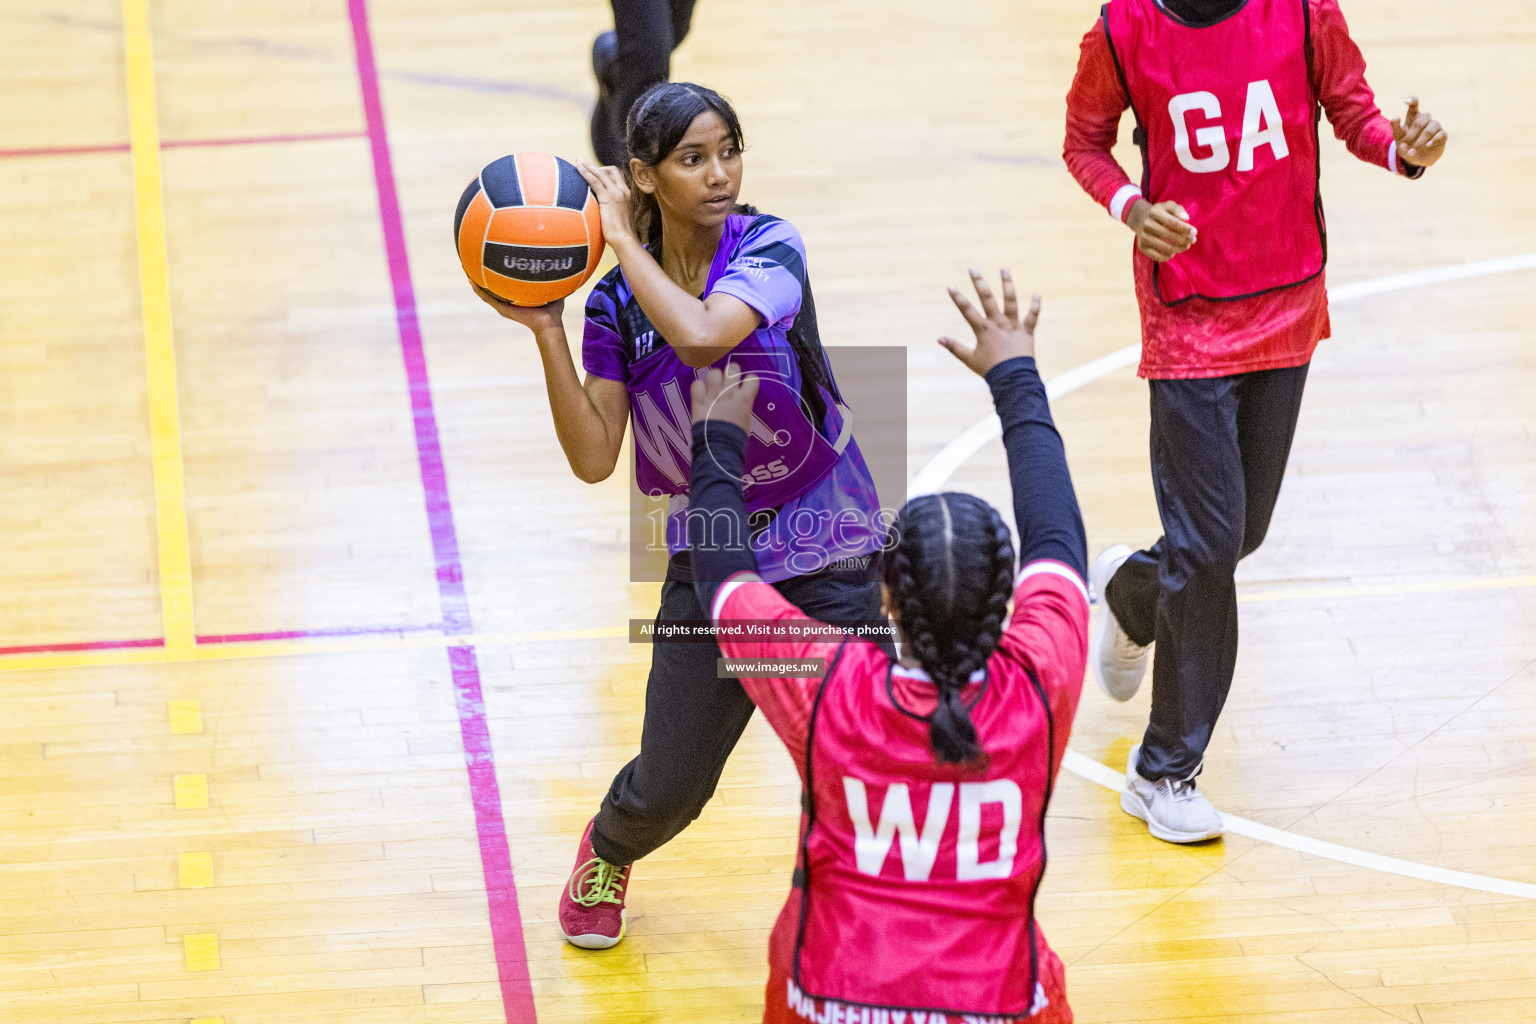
160 354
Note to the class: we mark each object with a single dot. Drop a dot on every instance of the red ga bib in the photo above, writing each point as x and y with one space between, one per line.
1227 123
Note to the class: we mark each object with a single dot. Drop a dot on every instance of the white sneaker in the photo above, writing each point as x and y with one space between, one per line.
1174 810
1119 663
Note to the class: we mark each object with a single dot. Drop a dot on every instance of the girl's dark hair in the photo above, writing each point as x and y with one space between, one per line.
657 122
949 564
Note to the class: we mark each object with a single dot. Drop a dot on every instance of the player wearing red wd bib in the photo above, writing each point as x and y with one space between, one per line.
1230 249
926 781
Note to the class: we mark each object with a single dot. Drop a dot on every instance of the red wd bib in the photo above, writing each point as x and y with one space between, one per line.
918 881
1227 123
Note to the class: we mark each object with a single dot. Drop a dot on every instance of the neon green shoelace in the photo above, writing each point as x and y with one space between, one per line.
597 882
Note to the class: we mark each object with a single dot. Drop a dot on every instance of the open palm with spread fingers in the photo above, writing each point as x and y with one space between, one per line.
1000 334
1420 139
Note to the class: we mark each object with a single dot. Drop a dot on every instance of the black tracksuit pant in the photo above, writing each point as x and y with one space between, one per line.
693 720
1219 448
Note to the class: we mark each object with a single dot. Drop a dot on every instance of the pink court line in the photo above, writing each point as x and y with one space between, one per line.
223 638
89 645
311 634
479 758
261 140
242 140
116 147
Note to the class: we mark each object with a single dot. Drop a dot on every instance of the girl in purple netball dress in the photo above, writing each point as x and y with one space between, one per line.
701 281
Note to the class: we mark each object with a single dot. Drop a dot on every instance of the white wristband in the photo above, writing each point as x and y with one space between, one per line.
1123 198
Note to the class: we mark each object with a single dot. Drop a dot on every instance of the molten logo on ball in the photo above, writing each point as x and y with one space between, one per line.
535 263
528 229
535 266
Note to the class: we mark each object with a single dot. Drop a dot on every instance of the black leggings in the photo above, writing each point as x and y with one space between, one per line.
1219 448
693 720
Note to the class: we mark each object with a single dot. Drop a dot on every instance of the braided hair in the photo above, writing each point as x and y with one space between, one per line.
948 562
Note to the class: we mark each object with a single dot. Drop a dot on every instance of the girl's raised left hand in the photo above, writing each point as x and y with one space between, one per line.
608 185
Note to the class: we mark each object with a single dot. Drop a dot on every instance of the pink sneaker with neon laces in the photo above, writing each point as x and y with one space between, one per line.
592 905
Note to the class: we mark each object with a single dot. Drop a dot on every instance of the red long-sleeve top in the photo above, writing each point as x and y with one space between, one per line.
1201 338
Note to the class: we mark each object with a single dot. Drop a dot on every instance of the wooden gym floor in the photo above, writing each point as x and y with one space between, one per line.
313 645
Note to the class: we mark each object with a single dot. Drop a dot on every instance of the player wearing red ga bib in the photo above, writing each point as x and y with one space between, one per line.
926 781
1230 250
1227 94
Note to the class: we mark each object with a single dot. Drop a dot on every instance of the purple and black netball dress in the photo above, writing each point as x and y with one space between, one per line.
802 461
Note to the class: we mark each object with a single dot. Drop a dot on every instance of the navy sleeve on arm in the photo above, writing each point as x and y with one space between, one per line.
718 541
1044 503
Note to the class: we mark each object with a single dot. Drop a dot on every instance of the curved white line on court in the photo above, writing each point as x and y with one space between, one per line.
954 455
1435 275
1088 768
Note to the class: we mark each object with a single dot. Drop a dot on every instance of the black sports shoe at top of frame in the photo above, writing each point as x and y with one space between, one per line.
607 134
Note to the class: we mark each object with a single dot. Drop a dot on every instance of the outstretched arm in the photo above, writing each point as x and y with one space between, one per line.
1049 625
1044 503
724 569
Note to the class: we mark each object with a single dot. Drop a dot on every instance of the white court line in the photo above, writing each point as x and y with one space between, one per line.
970 441
1091 770
954 455
1435 275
